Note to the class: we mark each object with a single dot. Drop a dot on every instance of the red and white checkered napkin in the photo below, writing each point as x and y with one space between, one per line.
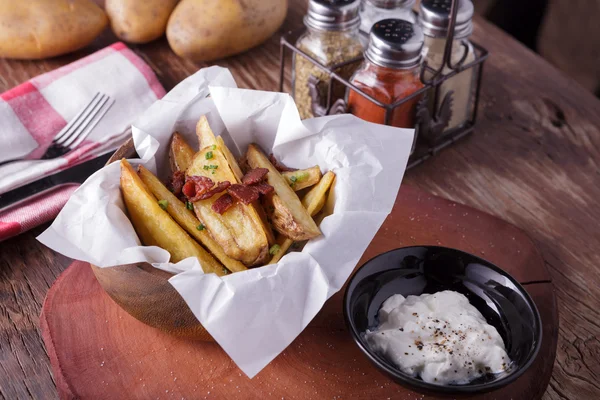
32 113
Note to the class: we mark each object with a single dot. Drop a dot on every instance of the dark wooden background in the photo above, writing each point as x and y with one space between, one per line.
533 160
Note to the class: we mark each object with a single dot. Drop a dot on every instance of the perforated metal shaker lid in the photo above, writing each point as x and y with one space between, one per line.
434 18
333 15
395 43
391 4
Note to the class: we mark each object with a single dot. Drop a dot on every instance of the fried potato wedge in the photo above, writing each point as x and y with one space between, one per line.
302 178
328 207
187 220
206 137
287 214
155 226
233 164
238 231
256 206
180 153
313 201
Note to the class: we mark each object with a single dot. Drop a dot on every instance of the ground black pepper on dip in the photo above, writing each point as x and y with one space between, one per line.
454 343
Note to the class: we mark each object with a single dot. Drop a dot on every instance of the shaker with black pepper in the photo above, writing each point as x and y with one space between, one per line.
376 10
331 38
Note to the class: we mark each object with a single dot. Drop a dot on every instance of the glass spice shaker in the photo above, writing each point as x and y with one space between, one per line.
375 10
434 18
390 72
331 38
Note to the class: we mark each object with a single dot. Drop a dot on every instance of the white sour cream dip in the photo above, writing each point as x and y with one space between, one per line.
439 337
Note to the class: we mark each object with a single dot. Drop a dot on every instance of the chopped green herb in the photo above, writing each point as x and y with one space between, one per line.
209 155
225 271
294 178
213 172
200 227
163 204
274 249
207 167
189 205
214 146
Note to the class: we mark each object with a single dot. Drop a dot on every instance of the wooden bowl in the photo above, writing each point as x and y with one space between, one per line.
144 291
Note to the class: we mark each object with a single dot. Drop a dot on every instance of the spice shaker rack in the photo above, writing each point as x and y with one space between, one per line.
431 134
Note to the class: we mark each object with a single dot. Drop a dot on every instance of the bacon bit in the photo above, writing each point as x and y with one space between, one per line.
264 188
243 193
221 186
176 182
189 189
280 167
222 204
196 186
254 176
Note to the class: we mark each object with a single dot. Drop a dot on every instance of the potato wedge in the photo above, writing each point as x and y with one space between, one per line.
239 231
180 153
187 220
154 225
328 207
206 137
262 216
287 214
313 202
302 178
237 171
233 164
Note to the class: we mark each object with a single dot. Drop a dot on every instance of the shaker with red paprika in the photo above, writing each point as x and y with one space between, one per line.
389 73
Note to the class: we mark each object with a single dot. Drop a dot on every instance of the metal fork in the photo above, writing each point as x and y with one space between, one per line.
75 132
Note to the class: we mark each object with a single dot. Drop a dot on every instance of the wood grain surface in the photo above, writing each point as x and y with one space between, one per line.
533 160
111 354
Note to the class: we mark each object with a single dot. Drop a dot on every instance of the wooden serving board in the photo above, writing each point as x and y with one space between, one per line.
98 351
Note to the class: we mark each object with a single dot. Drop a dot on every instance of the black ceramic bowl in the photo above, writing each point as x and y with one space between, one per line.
430 269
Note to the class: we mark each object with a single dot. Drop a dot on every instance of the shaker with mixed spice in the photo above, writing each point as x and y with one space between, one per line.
434 18
331 38
389 73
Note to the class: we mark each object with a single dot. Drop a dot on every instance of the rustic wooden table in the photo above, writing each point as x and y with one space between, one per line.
534 160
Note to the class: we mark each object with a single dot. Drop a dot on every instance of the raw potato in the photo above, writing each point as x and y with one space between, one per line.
155 227
239 231
139 21
35 29
187 219
180 153
302 178
313 202
287 214
206 30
